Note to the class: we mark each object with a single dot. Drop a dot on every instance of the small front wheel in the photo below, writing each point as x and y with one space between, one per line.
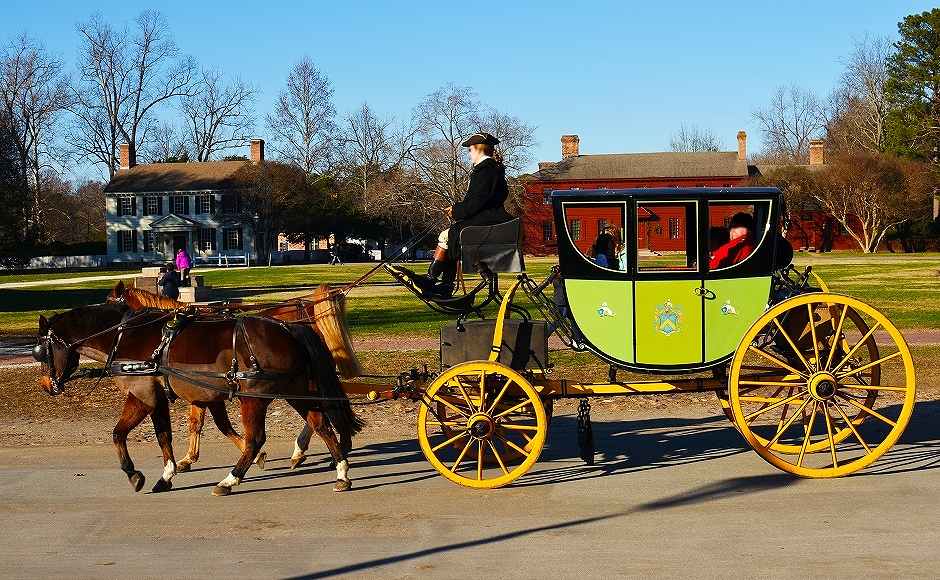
493 429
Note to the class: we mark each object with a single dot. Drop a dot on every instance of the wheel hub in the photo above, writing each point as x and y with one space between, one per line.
481 426
823 386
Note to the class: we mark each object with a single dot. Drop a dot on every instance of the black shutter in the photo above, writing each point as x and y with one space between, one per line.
225 239
134 205
186 205
212 203
159 205
134 240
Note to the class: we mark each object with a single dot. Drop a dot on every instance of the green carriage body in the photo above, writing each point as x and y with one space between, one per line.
669 318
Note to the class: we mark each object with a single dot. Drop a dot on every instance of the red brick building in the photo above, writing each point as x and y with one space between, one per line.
664 226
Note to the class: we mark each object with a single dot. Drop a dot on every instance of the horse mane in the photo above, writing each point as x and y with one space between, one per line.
139 299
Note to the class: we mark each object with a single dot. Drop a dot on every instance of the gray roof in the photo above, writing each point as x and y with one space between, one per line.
767 168
194 176
645 165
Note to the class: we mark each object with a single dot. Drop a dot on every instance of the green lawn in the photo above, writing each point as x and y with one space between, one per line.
905 287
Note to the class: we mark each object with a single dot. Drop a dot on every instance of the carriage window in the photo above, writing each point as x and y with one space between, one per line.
736 229
666 238
596 232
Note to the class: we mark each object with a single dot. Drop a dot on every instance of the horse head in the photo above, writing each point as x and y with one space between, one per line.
58 357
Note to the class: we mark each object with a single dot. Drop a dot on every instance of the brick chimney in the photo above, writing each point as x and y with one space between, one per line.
257 150
128 159
817 152
570 146
742 146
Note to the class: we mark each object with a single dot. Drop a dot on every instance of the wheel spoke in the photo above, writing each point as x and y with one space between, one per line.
775 360
450 406
499 459
516 427
784 401
782 429
465 396
812 330
460 457
792 344
479 460
515 408
439 423
852 427
874 388
769 384
440 446
869 365
806 437
518 449
832 442
858 345
871 412
835 336
482 390
499 397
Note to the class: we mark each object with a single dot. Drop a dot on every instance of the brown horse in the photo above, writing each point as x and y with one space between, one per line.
279 360
324 309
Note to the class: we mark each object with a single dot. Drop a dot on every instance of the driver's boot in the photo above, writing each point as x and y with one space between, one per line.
444 288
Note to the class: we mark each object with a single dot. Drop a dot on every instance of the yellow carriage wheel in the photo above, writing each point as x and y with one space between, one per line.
825 325
494 429
789 399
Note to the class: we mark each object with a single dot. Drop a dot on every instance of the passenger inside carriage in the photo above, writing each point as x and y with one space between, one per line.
740 244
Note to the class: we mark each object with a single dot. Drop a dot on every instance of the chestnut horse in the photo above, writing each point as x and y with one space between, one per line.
280 361
317 307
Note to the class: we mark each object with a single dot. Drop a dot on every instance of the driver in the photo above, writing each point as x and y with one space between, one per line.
739 246
481 206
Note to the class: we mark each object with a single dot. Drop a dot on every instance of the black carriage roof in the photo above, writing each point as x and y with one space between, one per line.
668 192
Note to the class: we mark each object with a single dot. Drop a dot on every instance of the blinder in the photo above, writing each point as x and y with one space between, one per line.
40 353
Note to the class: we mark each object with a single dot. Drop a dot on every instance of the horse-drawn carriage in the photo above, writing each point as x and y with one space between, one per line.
819 384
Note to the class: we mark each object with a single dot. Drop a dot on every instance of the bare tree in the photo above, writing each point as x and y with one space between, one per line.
167 145
788 124
857 113
690 138
123 78
218 115
443 120
303 119
372 148
33 94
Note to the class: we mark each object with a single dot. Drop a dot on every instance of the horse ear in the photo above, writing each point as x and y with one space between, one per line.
118 289
43 324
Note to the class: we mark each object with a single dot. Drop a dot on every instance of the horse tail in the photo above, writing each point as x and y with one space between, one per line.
330 316
321 368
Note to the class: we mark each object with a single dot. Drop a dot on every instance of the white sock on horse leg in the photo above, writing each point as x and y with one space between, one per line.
342 470
169 470
229 481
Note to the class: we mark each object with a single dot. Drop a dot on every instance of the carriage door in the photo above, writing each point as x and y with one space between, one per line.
668 287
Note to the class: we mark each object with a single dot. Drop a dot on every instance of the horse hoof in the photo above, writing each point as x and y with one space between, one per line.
296 462
137 480
162 485
342 485
260 459
183 466
221 490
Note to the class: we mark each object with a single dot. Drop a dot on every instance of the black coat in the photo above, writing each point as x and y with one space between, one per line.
486 194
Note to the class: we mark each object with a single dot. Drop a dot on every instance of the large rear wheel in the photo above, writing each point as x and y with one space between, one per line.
822 385
493 430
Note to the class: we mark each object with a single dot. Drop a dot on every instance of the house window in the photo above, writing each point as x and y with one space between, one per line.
207 239
127 241
232 239
148 240
231 203
547 231
153 205
674 228
205 203
575 228
547 196
180 204
602 224
283 245
127 205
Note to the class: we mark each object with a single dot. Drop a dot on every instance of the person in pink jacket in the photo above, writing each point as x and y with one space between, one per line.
183 264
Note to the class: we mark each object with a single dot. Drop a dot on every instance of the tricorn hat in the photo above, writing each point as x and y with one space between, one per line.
480 139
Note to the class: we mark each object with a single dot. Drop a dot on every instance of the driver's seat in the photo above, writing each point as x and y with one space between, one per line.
496 248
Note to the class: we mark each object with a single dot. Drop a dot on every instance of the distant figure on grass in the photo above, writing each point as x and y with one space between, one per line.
183 264
169 281
740 244
334 257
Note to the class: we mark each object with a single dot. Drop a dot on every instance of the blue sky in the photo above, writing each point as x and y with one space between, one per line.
622 75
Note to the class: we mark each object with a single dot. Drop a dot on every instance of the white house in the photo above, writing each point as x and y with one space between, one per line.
154 209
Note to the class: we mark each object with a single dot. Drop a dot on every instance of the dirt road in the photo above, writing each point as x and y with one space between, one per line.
668 497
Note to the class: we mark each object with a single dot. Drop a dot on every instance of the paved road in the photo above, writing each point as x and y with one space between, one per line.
669 497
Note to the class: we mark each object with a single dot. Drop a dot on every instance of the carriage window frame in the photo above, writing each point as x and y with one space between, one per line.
695 223
625 215
759 244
